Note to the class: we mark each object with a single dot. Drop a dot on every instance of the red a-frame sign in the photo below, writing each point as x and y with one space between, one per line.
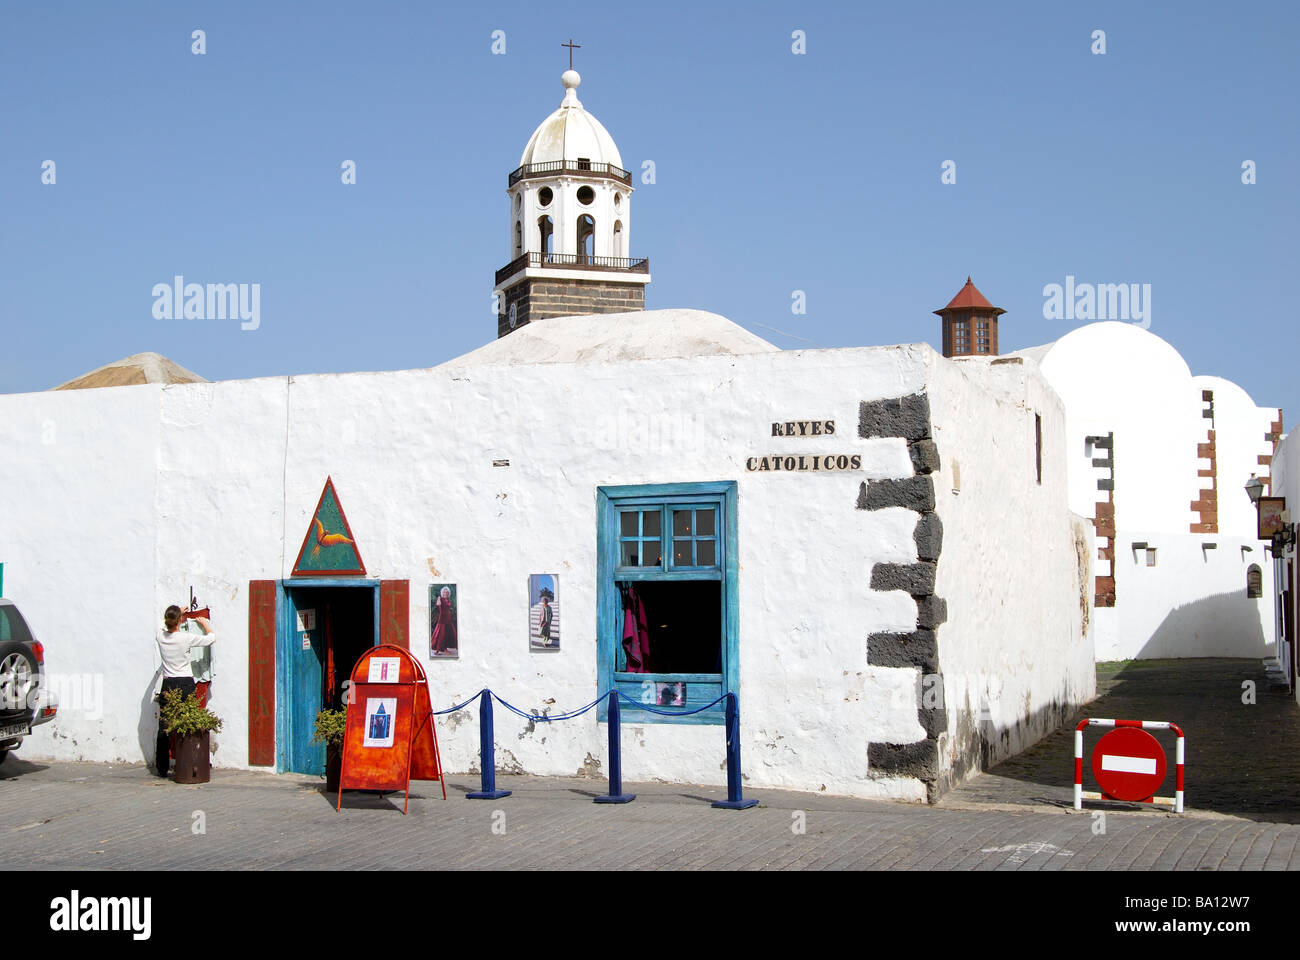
389 739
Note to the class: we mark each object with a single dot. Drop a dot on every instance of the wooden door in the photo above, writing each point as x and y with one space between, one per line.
261 672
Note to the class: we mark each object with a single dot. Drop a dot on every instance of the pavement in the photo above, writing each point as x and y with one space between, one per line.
1240 742
84 816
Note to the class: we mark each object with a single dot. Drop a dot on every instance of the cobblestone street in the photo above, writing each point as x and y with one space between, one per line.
1240 756
1241 813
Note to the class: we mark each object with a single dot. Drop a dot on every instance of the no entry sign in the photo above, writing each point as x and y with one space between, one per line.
1129 764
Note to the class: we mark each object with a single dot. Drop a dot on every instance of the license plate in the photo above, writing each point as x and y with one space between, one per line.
14 730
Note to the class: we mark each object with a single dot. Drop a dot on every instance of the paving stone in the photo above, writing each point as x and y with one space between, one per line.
78 816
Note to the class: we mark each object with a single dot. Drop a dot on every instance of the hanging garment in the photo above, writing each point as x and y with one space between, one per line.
636 635
329 677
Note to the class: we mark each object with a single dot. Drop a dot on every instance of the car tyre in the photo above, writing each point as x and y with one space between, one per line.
17 667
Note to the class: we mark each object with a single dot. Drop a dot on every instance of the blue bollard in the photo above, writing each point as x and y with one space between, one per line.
616 794
487 757
735 800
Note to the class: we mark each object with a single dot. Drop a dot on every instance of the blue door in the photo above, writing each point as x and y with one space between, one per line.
324 622
301 670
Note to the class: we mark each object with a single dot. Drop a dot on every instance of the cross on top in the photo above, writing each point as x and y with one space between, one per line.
571 45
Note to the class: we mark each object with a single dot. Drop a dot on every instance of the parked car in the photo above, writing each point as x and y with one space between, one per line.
24 700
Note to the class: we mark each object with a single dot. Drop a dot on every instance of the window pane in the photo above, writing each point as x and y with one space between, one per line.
654 553
650 521
631 551
627 524
682 553
704 522
681 523
704 553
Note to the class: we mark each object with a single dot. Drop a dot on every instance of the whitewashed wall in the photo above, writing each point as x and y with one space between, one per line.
1118 377
77 534
152 490
1016 654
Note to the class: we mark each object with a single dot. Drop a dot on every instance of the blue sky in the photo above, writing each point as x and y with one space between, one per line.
775 172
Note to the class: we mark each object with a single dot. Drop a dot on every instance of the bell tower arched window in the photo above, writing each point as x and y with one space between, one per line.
519 238
545 231
586 238
618 239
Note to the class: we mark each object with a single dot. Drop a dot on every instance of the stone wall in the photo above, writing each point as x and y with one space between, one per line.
539 298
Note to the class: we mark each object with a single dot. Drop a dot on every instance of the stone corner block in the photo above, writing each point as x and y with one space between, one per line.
907 417
914 578
920 648
920 759
925 456
928 536
914 493
931 612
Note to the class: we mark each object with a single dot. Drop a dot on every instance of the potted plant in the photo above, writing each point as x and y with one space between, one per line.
330 725
191 724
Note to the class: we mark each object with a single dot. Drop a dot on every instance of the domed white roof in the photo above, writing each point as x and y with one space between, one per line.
571 133
616 337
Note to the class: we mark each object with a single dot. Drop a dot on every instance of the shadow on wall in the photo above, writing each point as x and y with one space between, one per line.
147 729
978 743
1223 625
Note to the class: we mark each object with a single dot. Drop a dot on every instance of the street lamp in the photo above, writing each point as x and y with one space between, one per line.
1254 487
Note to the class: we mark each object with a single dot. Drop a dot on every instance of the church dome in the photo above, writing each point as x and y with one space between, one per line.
571 133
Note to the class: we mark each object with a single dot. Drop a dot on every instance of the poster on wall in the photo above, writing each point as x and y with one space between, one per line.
444 638
1270 516
379 721
543 611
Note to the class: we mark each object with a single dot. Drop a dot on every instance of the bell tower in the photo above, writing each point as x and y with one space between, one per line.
970 324
570 223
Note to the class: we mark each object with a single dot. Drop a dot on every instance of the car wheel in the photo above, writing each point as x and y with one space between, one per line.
19 675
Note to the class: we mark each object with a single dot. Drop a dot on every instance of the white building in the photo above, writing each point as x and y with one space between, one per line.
872 548
1159 459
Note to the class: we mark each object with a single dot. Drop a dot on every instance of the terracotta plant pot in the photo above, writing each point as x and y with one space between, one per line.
333 766
193 761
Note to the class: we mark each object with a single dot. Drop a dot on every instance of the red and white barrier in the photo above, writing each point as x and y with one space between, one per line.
1129 765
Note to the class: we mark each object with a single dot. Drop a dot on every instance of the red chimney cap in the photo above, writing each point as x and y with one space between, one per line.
969 298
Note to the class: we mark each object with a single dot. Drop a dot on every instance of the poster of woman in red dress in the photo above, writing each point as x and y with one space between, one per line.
444 641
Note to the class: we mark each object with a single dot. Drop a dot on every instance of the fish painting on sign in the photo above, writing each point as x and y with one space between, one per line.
444 637
543 612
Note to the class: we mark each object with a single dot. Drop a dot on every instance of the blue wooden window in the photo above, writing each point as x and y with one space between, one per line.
674 545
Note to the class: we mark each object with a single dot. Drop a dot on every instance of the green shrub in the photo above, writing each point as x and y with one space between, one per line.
182 715
330 725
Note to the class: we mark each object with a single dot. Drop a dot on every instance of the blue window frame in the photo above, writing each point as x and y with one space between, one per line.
648 539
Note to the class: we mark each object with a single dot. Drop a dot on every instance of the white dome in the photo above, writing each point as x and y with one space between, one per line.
616 337
571 133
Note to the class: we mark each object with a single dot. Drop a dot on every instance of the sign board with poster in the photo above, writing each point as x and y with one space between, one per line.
1271 522
389 738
